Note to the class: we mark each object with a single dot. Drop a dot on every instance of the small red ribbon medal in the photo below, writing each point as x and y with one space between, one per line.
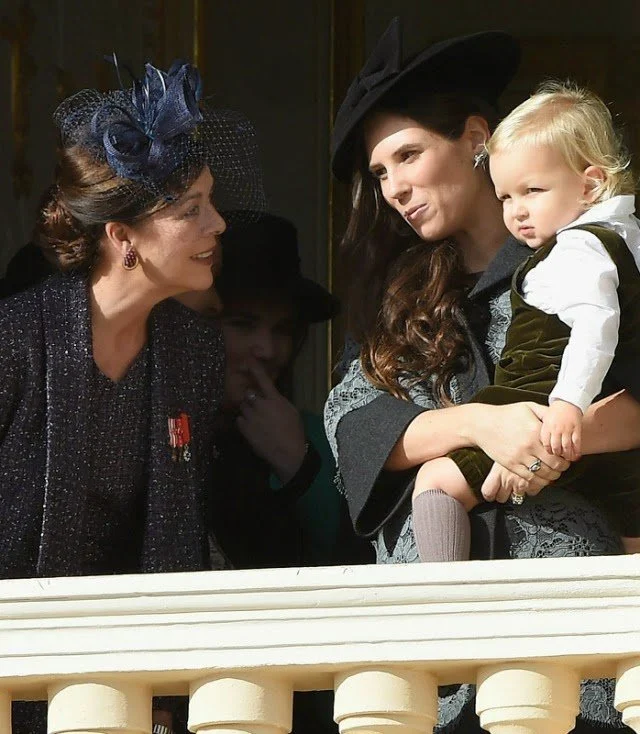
180 438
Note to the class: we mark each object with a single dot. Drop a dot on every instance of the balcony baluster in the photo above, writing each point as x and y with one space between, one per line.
241 704
627 697
382 701
5 712
94 707
528 698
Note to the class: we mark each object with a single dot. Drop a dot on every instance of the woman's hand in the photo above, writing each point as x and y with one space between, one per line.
510 435
272 426
501 483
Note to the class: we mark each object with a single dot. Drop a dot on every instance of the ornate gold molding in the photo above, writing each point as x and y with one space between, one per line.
23 69
198 33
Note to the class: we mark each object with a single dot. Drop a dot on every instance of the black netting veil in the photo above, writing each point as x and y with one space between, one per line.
158 136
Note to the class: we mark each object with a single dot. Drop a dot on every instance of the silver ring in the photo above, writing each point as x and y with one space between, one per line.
535 466
517 498
251 396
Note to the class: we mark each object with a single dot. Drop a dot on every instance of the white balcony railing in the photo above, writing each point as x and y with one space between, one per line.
239 642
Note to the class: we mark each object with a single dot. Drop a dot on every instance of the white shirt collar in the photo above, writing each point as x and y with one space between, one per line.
614 209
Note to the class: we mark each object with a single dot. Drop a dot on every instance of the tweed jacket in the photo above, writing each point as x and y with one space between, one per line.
45 363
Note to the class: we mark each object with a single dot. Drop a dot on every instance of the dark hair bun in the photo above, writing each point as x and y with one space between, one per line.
62 237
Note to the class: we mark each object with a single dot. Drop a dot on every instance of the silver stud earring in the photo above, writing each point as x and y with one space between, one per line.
479 158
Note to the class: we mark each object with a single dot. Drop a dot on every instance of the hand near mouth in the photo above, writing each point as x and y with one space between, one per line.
271 425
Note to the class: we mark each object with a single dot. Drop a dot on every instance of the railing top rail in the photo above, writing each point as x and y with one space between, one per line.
446 617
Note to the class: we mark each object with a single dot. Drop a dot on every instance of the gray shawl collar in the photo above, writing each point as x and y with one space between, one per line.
502 267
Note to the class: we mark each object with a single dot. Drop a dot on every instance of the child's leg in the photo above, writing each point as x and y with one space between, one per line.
444 474
441 500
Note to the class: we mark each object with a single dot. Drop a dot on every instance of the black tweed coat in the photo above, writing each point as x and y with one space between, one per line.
45 410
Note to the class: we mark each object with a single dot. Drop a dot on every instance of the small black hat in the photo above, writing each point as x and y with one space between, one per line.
263 256
481 64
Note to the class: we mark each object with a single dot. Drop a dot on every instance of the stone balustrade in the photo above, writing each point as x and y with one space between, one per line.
238 643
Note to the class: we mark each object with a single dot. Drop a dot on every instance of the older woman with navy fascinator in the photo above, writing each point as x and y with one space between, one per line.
430 262
110 389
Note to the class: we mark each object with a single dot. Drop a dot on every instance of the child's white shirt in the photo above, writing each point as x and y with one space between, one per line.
578 281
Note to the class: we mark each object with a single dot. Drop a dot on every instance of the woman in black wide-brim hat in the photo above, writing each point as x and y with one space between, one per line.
430 262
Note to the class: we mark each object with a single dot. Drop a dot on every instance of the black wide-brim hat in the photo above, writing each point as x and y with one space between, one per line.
262 258
481 65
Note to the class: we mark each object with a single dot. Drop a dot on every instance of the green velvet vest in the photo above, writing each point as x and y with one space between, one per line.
529 368
535 341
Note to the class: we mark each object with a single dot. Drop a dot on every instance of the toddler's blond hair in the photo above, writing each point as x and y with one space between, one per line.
578 124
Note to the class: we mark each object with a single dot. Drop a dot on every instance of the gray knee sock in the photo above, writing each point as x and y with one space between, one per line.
441 527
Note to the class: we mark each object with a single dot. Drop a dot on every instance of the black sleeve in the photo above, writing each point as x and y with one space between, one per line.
626 373
302 479
254 525
366 437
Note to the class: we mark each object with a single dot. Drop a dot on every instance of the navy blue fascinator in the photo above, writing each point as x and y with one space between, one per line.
160 132
138 139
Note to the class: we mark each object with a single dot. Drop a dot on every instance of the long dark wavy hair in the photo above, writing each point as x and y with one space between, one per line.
405 295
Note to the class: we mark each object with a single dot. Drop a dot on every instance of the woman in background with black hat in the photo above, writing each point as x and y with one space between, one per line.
275 504
430 263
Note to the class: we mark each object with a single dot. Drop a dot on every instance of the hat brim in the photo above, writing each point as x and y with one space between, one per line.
481 64
312 303
315 303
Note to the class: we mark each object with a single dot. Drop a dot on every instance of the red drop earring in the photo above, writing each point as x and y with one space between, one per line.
130 259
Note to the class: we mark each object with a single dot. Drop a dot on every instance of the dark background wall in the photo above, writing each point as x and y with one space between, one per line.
285 64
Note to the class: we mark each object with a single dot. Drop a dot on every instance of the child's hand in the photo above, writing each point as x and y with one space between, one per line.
561 432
